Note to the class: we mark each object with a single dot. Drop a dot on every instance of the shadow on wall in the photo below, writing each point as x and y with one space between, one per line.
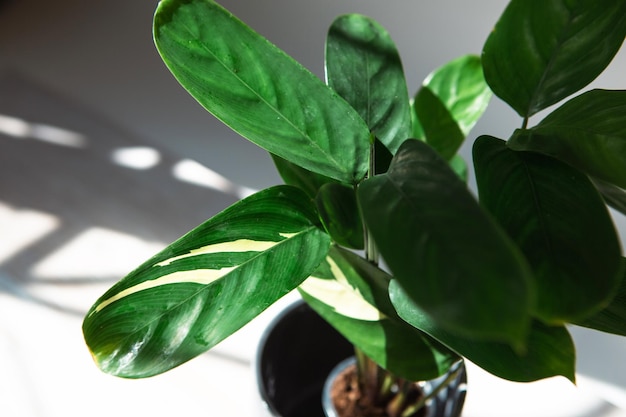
83 202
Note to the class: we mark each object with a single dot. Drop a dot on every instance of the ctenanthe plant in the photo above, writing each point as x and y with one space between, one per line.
371 172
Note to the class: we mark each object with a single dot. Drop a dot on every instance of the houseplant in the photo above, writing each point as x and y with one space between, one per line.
494 279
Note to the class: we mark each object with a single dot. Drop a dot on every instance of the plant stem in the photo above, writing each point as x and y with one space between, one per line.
525 122
454 372
371 252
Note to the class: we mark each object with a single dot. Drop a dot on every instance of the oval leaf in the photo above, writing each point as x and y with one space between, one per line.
541 51
447 253
306 180
612 318
450 102
588 132
340 215
351 294
559 221
364 67
206 285
549 350
613 195
259 91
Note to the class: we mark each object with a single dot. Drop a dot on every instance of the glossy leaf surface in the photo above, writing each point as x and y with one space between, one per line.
588 131
259 91
447 253
206 285
364 67
613 195
549 350
450 102
541 51
612 318
557 217
340 215
352 295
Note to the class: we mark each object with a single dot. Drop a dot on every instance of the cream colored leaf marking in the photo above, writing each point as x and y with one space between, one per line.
339 294
241 245
195 276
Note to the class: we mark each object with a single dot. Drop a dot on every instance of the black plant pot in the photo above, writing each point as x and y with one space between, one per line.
298 352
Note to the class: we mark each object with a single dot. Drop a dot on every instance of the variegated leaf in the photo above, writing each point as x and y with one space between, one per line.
208 284
351 294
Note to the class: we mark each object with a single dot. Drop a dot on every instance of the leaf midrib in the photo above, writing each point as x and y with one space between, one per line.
311 142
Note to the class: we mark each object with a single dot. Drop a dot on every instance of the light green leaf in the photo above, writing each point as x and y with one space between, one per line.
206 285
458 165
449 255
259 91
541 51
351 294
364 67
559 221
549 350
588 132
449 103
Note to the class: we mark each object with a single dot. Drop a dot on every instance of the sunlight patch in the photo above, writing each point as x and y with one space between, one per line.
136 157
22 129
21 228
96 253
195 173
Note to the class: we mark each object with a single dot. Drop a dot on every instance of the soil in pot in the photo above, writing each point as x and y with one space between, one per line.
345 394
298 353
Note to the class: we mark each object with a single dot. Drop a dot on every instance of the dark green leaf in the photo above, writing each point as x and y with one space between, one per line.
382 158
541 51
450 102
440 129
557 217
259 91
613 195
588 131
306 180
340 215
549 350
612 318
352 295
363 66
206 285
452 259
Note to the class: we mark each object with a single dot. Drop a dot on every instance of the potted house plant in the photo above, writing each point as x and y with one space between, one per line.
371 174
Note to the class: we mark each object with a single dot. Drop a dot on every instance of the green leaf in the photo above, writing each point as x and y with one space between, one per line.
588 132
541 51
559 221
450 102
440 129
549 350
259 91
458 165
306 180
449 255
351 294
612 318
364 67
340 215
206 285
613 195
